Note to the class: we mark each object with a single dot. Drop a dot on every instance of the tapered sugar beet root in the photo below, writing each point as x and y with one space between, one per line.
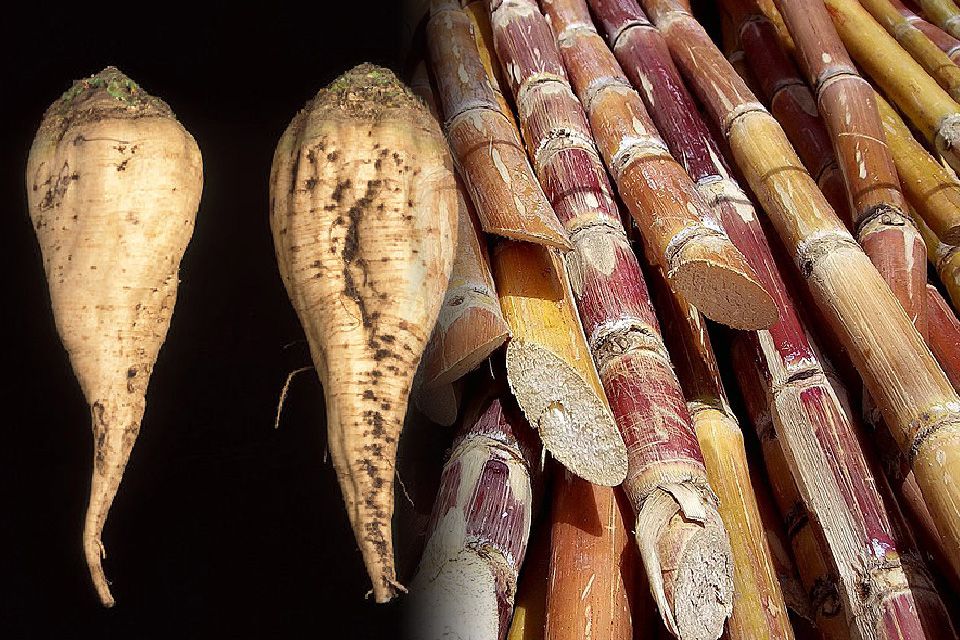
113 185
363 213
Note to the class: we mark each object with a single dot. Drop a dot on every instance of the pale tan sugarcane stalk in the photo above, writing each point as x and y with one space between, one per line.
677 524
947 43
932 189
485 143
944 14
931 110
916 399
914 41
549 366
847 104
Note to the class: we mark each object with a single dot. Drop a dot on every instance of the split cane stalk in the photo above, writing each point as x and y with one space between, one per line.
479 530
916 399
666 482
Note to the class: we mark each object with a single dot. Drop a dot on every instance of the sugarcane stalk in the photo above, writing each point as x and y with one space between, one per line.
945 259
916 399
931 188
900 601
931 109
530 604
759 609
549 366
934 60
848 106
816 571
482 136
698 258
944 14
591 577
666 482
470 325
944 334
946 42
477 538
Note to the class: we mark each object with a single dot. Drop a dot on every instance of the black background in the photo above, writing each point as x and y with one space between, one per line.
223 527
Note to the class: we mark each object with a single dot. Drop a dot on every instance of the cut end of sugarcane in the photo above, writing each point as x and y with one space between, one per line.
465 344
574 423
703 592
536 231
714 277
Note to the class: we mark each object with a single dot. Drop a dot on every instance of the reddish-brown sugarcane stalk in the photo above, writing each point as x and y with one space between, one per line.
789 98
848 106
914 41
818 579
931 109
471 324
931 188
477 537
944 334
900 601
943 13
945 259
699 259
759 609
592 561
916 399
483 138
947 43
666 481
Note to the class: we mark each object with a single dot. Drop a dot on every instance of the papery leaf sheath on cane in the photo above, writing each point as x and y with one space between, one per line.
946 42
113 185
549 366
477 538
471 324
932 111
666 479
483 138
916 399
848 107
698 259
930 188
936 62
943 13
593 564
363 213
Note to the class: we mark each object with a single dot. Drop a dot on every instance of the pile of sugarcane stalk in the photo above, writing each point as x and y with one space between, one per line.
700 343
